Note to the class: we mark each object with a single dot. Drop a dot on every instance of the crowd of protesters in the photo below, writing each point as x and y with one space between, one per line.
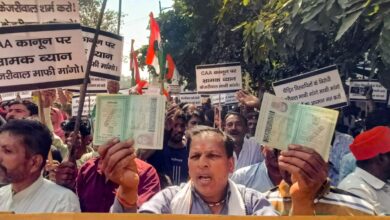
210 163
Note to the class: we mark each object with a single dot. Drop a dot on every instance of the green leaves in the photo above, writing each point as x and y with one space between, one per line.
245 2
347 22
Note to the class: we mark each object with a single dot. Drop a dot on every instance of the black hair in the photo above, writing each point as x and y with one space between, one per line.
378 117
196 113
236 114
85 126
200 129
31 107
36 136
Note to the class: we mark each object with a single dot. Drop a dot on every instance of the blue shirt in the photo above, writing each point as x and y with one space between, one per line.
254 176
339 149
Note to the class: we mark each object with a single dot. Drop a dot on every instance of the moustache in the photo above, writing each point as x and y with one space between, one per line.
3 169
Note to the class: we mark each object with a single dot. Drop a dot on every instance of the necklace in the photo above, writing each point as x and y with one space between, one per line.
213 204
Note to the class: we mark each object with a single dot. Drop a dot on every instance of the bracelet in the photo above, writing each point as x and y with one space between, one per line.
123 201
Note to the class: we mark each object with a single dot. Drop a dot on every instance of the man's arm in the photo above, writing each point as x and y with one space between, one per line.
308 175
119 166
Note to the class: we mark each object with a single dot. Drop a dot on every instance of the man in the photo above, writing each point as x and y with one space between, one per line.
209 190
89 179
272 172
172 159
21 110
370 178
252 118
246 151
24 147
194 118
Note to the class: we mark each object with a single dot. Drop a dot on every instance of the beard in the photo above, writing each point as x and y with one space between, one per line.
4 177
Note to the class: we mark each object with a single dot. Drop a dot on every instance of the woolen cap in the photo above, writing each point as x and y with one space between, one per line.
371 143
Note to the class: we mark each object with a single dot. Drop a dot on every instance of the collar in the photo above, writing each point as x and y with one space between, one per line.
369 178
29 190
284 189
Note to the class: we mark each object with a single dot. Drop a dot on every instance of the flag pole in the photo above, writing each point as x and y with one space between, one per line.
83 88
119 17
132 63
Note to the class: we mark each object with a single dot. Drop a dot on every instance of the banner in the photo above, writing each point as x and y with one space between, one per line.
89 104
322 87
218 77
43 11
107 61
191 98
97 85
358 90
41 56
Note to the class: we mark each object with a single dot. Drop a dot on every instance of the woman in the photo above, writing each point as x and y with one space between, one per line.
208 192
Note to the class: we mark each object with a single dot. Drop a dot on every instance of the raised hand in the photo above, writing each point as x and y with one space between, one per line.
119 166
247 99
308 174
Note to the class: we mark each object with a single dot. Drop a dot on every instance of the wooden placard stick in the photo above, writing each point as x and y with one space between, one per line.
83 88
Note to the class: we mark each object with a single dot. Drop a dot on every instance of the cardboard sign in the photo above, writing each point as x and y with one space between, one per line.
41 56
97 85
107 61
358 90
89 104
218 77
226 98
13 95
32 11
191 98
321 87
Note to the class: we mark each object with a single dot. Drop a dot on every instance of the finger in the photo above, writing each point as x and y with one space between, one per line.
102 150
295 171
306 154
120 159
298 166
116 148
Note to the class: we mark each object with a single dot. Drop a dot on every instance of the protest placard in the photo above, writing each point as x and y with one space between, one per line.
89 104
107 61
32 11
218 77
358 90
322 87
41 56
191 98
224 98
13 95
97 85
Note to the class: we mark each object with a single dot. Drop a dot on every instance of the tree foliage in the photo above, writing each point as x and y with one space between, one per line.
301 35
89 16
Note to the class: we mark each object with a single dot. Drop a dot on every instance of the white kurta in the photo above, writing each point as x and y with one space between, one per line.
41 196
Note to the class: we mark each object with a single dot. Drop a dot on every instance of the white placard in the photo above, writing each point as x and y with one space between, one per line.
226 98
174 89
13 95
358 90
7 96
97 85
33 11
89 103
218 77
107 61
321 87
41 56
191 98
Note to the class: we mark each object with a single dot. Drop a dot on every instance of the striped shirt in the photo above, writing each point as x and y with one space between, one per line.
332 202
